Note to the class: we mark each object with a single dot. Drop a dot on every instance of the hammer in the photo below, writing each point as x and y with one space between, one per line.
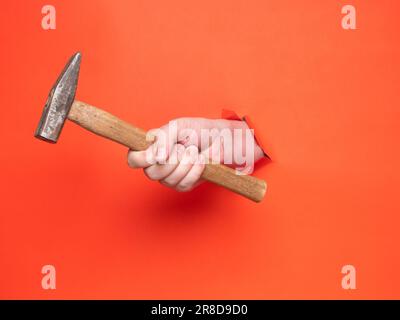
61 105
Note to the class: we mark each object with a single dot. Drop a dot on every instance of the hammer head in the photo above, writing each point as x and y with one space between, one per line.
59 102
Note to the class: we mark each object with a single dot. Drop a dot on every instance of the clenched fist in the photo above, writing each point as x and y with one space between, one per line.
183 147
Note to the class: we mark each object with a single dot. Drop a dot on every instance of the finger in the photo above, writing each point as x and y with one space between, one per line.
189 157
188 137
141 159
216 153
160 171
192 178
166 138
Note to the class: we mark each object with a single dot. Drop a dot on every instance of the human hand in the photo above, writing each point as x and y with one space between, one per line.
183 146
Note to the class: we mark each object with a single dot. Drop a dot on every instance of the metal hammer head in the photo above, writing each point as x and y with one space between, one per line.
59 102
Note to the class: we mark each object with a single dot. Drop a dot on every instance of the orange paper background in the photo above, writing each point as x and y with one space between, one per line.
326 101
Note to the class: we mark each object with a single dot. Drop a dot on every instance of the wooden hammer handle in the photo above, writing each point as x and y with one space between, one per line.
108 126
